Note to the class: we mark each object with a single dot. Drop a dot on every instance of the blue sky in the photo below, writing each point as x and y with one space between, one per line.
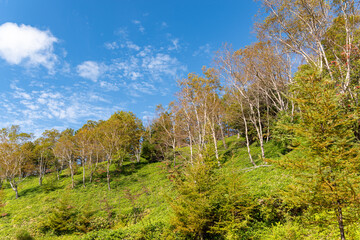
65 62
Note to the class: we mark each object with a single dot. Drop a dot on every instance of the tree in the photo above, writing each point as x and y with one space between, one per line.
65 151
168 133
84 139
96 152
209 204
302 27
193 206
44 147
15 155
327 170
198 101
118 136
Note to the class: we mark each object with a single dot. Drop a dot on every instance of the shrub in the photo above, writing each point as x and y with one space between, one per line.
23 235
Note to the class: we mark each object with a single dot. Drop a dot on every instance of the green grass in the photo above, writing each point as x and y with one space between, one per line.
36 202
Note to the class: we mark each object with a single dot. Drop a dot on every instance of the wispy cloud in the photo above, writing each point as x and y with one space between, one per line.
175 44
90 70
53 105
109 86
136 89
139 25
28 45
164 25
143 73
130 45
204 49
111 45
122 32
162 64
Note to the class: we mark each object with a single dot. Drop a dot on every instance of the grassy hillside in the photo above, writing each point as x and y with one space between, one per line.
36 203
136 207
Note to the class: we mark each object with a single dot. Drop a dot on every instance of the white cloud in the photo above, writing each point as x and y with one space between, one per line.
142 87
52 105
162 64
109 86
26 44
90 70
122 32
140 26
132 45
164 25
147 51
111 45
19 92
204 49
146 65
175 44
143 73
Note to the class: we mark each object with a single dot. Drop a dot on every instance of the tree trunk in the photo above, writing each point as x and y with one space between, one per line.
260 131
261 140
138 154
222 136
247 137
215 144
72 175
108 172
91 176
41 173
83 165
201 236
16 192
268 121
191 148
93 170
40 180
14 187
174 152
340 221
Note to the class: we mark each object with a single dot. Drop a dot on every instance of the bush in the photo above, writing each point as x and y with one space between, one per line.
61 220
282 135
50 184
286 231
23 235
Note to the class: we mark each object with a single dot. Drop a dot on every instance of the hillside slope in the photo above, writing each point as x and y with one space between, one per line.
137 206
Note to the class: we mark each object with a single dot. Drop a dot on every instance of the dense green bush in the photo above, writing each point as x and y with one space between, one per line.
65 218
61 219
23 235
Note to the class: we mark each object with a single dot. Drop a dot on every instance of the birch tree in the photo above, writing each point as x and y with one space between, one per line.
118 135
15 154
65 151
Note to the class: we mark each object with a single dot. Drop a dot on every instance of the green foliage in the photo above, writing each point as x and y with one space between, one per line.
23 235
65 218
193 206
234 208
288 231
327 171
150 152
61 219
210 204
282 135
50 184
